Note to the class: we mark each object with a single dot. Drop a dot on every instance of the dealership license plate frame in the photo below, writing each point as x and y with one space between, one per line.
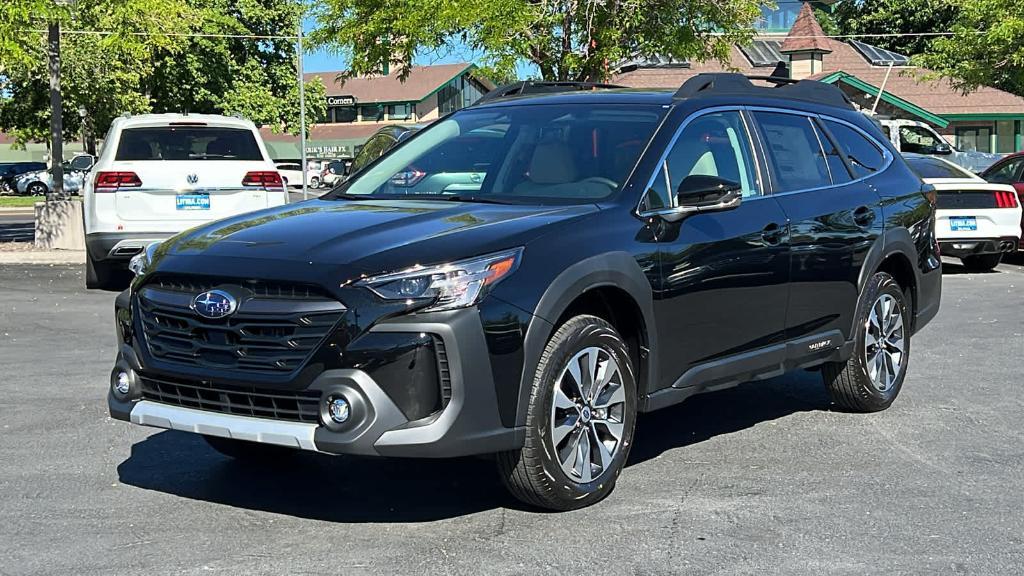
192 201
963 223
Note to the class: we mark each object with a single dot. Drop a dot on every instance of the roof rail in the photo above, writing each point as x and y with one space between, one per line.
711 84
540 87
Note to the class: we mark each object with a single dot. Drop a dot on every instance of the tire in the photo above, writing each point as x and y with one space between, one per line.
245 451
853 385
535 473
37 189
982 262
98 275
314 183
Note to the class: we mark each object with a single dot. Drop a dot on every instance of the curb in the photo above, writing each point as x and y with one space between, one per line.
18 210
31 257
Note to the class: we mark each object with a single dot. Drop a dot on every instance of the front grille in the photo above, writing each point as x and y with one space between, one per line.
258 288
301 406
966 199
268 334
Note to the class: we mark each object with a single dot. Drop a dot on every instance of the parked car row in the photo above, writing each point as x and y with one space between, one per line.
10 171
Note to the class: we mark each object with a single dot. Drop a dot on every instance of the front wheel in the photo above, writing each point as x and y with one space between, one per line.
37 189
314 183
579 421
982 262
872 378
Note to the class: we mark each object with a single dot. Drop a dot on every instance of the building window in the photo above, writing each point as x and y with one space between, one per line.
341 114
1006 137
371 113
974 138
400 111
448 98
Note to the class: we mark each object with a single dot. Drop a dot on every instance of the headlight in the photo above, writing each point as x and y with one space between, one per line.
449 286
139 263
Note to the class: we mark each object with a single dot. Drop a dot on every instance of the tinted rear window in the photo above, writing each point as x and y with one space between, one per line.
187 143
934 168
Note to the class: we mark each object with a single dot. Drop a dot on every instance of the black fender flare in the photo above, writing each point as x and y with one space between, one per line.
892 241
617 269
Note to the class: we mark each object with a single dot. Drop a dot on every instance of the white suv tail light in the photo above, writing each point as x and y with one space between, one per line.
113 181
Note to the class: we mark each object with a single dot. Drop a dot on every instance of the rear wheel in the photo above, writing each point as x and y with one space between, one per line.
314 182
579 422
246 451
37 189
982 262
872 378
98 275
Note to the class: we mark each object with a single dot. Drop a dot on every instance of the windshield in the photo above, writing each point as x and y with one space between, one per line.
935 168
515 154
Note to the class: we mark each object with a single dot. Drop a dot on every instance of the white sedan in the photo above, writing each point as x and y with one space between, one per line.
292 174
976 221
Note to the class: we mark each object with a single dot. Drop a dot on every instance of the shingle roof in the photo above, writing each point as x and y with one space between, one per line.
937 96
421 82
806 34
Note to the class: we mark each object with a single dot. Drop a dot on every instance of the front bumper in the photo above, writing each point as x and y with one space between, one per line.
469 424
959 248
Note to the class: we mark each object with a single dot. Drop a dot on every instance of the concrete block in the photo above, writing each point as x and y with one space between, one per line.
59 225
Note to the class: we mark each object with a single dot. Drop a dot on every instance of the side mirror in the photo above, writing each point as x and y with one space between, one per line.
942 149
698 193
83 163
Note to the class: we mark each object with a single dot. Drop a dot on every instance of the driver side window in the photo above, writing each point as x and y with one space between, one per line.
716 144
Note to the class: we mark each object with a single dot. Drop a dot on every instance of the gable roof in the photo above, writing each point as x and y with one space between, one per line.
421 83
806 34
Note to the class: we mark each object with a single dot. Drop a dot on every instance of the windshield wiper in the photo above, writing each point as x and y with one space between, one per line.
477 199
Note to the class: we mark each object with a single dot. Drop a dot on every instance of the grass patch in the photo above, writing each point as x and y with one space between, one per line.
24 201
19 201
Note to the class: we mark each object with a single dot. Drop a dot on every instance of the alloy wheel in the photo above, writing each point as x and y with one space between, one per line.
884 342
588 415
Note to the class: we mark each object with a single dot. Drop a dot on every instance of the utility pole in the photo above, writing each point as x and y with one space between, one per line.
56 112
302 116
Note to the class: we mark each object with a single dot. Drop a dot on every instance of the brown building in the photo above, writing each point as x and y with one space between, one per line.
358 107
986 120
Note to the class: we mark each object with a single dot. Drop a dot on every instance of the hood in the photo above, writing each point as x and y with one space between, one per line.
367 236
975 161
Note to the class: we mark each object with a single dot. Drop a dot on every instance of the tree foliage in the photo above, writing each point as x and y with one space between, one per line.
565 39
896 17
987 48
120 71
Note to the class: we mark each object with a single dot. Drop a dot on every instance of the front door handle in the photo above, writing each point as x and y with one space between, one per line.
863 216
773 233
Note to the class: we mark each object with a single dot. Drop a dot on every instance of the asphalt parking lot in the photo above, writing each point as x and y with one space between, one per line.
761 479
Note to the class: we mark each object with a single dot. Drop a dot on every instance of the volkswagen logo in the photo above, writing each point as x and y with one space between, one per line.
192 178
214 304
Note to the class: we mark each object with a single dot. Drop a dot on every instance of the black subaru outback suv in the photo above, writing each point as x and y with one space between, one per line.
597 254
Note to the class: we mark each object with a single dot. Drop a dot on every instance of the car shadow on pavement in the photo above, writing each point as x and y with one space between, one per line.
351 489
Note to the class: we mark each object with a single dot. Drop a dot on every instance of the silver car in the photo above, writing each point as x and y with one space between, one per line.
40 183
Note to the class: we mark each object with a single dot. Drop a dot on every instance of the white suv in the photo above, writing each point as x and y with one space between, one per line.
159 174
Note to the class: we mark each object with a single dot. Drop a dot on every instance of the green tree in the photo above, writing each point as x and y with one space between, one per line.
565 39
986 49
896 17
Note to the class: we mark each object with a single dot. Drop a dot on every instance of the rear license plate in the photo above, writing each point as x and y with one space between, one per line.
963 224
192 201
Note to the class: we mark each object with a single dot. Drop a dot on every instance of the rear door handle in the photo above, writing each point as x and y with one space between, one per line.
773 233
864 216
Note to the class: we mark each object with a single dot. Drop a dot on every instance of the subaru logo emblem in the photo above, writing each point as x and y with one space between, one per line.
192 178
214 304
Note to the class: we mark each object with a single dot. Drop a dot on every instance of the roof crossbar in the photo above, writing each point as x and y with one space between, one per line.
540 87
712 84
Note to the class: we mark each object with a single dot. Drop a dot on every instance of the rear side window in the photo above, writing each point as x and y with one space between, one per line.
796 156
1008 173
836 165
865 157
174 143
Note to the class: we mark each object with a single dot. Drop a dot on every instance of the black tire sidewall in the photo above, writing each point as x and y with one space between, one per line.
593 332
881 283
33 189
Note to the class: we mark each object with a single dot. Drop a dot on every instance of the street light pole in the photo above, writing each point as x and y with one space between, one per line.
56 112
302 116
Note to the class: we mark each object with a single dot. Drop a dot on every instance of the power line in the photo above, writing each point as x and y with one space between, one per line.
174 34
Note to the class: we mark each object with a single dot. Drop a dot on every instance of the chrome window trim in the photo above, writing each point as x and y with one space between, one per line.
886 155
762 193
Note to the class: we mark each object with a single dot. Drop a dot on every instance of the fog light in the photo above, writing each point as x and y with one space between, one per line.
122 384
339 409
